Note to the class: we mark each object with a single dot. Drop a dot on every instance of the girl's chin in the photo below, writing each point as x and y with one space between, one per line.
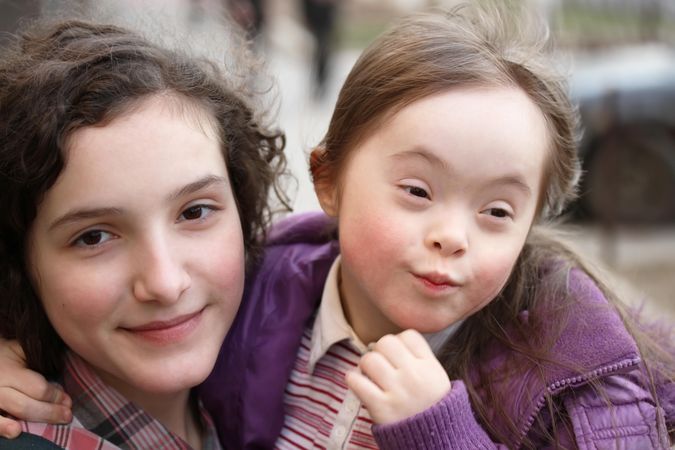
166 376
169 384
426 326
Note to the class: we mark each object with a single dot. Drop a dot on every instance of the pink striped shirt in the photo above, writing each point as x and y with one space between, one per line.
320 411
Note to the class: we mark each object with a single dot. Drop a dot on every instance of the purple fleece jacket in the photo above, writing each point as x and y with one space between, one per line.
245 391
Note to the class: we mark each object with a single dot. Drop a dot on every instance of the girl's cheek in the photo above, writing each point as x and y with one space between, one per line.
494 274
371 241
223 260
79 298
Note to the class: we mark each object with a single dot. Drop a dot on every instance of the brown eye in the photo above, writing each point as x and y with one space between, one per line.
197 212
193 213
417 191
499 213
92 238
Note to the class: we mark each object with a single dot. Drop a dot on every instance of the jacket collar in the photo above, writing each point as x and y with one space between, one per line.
593 344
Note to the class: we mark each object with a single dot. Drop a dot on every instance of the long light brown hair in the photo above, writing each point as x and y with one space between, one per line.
481 45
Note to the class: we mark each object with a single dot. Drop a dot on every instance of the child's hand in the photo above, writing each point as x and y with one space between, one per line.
400 378
25 394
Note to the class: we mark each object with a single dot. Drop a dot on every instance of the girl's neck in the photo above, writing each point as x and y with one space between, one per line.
366 320
173 410
176 413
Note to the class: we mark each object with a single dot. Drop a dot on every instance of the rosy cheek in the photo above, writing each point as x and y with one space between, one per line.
81 297
225 268
369 244
68 283
228 277
493 274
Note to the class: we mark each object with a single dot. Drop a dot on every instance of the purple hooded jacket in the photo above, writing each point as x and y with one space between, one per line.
245 390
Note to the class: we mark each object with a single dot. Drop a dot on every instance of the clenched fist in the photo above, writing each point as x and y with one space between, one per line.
399 378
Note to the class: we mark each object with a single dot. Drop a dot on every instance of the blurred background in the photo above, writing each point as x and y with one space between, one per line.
620 55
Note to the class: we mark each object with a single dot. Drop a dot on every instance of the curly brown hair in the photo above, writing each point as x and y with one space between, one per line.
58 77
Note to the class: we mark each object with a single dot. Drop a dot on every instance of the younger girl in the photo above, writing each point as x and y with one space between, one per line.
451 145
135 183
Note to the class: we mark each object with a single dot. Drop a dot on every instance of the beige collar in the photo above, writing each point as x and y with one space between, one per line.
331 326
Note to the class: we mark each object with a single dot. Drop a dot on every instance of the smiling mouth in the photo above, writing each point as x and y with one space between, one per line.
169 331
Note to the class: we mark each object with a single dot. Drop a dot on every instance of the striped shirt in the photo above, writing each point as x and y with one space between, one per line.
104 420
321 412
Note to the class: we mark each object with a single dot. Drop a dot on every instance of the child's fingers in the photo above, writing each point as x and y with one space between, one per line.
367 391
394 350
9 428
376 367
416 344
23 407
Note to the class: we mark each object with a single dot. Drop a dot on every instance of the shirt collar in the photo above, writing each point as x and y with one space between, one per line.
331 326
105 412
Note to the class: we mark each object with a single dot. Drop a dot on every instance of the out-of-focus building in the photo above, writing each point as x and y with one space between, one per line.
12 11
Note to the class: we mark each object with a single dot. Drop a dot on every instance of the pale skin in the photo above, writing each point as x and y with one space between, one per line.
143 287
399 378
434 208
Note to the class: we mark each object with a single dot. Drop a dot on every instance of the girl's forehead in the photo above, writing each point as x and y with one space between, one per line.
191 110
487 132
150 149
411 100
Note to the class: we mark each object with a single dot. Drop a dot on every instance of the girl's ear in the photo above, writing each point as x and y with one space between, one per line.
324 186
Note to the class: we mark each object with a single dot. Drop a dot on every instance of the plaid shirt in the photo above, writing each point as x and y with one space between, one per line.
104 420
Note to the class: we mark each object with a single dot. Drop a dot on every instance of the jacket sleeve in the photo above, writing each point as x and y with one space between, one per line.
449 424
624 413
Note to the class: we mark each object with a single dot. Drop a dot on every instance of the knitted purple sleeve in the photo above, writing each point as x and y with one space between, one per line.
449 424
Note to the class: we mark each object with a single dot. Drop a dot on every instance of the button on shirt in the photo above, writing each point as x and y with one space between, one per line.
320 411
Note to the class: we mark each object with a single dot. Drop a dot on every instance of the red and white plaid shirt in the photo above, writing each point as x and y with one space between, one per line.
104 420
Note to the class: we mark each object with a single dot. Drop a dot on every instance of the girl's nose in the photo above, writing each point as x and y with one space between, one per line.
161 275
448 237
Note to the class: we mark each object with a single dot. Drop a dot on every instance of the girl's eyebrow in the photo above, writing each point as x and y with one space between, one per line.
421 153
198 185
90 213
515 181
83 214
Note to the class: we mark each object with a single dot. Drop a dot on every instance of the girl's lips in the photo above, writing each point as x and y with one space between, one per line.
437 284
437 279
169 331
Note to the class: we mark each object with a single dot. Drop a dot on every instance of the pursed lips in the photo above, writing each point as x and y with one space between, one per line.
438 279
